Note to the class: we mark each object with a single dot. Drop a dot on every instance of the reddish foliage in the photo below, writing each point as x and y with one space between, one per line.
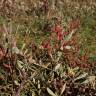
46 45
57 29
8 67
72 54
65 33
59 36
2 52
65 43
56 46
74 24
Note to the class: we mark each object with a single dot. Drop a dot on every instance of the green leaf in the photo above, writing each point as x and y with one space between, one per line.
89 79
67 38
76 69
15 50
20 64
68 47
81 76
57 66
50 92
16 82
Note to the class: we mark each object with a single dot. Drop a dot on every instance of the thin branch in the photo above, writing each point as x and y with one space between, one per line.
20 88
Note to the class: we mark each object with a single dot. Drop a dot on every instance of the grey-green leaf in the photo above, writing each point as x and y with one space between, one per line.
81 76
50 92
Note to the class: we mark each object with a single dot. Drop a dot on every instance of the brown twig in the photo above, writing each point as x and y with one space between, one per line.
20 88
17 93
